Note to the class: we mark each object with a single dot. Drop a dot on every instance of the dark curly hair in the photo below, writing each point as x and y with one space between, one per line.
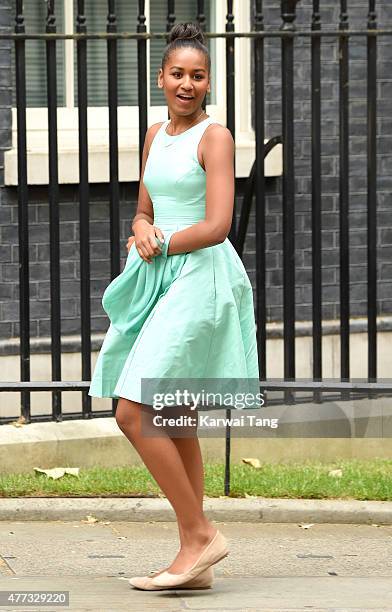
186 35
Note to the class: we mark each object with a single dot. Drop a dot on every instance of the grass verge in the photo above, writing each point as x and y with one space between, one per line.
346 479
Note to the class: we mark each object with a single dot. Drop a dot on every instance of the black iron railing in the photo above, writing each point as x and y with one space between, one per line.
254 187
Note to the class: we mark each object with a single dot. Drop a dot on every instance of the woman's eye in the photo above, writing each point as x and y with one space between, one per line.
179 74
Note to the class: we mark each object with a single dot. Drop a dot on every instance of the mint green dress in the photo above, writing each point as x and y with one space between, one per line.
188 316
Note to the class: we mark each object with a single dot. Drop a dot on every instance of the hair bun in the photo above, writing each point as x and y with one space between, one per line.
186 31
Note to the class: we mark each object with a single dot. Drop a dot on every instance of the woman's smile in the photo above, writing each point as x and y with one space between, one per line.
184 100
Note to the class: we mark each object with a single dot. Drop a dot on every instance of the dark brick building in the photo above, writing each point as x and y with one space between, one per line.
99 207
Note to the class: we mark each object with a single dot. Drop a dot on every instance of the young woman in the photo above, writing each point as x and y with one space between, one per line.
183 305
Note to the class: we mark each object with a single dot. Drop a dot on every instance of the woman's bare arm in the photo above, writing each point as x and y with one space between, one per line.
146 233
145 209
220 187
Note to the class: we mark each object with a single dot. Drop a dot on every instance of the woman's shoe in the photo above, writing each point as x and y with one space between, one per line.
213 552
202 581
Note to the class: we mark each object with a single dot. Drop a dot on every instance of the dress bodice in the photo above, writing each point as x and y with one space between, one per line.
173 176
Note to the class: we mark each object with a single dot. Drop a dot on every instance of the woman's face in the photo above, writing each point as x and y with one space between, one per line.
185 73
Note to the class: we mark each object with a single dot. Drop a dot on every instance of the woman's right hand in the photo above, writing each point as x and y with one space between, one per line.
146 239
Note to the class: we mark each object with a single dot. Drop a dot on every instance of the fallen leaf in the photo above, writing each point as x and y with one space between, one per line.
336 473
21 421
58 472
253 462
90 519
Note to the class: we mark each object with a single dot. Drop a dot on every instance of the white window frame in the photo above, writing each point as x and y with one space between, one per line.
128 120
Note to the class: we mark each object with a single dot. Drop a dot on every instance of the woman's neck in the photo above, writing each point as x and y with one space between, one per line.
181 127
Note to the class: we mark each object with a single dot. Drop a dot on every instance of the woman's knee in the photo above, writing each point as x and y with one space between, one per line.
126 415
131 416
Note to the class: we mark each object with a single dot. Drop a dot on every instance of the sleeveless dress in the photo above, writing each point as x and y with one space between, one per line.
188 316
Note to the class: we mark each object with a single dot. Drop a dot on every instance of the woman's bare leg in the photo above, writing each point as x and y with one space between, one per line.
190 453
163 460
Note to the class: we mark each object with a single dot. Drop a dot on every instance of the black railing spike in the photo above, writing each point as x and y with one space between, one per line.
343 17
372 15
111 22
50 18
258 16
288 192
81 18
19 18
229 14
142 79
288 8
171 16
316 17
141 17
23 211
201 15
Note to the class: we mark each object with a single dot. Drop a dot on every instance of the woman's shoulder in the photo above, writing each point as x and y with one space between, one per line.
155 127
218 134
152 131
217 145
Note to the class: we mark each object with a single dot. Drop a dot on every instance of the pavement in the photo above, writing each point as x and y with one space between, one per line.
298 562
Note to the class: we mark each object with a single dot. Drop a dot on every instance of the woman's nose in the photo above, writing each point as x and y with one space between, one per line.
186 81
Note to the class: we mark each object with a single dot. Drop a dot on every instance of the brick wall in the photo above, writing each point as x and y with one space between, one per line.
99 210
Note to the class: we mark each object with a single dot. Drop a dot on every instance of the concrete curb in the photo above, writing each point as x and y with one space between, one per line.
223 509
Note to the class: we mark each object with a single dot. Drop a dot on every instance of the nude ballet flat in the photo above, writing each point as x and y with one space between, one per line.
202 581
213 552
